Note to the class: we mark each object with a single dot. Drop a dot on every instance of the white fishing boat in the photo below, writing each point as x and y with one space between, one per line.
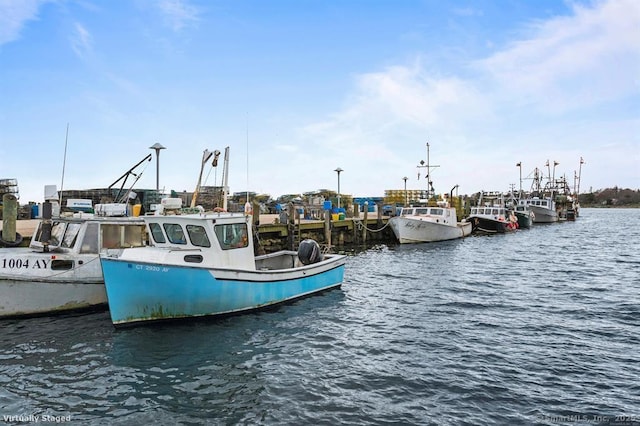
60 270
540 199
429 223
204 265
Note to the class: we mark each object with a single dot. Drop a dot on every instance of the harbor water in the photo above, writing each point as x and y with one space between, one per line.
540 326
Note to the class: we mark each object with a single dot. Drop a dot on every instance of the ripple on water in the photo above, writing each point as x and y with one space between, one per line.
505 329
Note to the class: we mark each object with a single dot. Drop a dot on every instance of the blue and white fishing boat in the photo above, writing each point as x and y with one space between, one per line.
204 265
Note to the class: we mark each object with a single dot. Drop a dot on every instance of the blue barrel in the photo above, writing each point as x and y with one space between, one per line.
34 211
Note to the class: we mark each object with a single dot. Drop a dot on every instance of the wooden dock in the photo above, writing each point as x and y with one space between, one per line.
272 235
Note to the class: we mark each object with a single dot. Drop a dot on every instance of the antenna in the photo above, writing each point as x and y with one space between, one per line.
428 167
225 179
247 157
64 163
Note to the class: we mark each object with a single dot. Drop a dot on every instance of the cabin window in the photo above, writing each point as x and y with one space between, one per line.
133 235
116 236
422 211
436 212
156 232
90 240
57 233
175 234
61 264
232 236
407 211
198 236
38 233
193 258
70 235
110 237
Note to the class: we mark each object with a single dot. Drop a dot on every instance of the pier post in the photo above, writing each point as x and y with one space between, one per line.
9 217
356 217
291 225
364 222
256 213
327 227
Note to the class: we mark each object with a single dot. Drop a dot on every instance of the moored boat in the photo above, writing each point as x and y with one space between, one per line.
544 209
204 265
60 270
524 214
490 216
428 224
431 222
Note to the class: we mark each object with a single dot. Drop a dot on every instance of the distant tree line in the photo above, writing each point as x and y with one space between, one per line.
611 197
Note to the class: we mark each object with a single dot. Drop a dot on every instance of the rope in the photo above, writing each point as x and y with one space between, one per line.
360 225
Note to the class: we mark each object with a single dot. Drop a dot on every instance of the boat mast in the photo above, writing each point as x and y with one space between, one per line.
64 162
579 175
519 165
225 179
550 180
430 191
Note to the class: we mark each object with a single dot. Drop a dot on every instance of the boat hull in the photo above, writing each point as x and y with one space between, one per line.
543 215
489 226
144 292
408 230
525 219
24 298
34 283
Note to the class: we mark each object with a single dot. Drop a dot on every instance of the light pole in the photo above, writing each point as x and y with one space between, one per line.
157 148
405 190
338 170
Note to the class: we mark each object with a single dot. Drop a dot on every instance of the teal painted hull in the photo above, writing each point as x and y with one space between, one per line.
142 292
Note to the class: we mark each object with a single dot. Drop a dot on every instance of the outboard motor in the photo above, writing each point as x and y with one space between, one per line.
309 252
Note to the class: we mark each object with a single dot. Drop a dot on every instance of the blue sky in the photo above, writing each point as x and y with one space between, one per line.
299 88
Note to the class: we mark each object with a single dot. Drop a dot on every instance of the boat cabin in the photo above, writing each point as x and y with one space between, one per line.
90 235
435 214
206 240
497 213
545 203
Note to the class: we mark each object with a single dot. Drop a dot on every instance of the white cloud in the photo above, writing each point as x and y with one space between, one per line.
178 13
398 98
81 40
479 127
14 16
574 61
